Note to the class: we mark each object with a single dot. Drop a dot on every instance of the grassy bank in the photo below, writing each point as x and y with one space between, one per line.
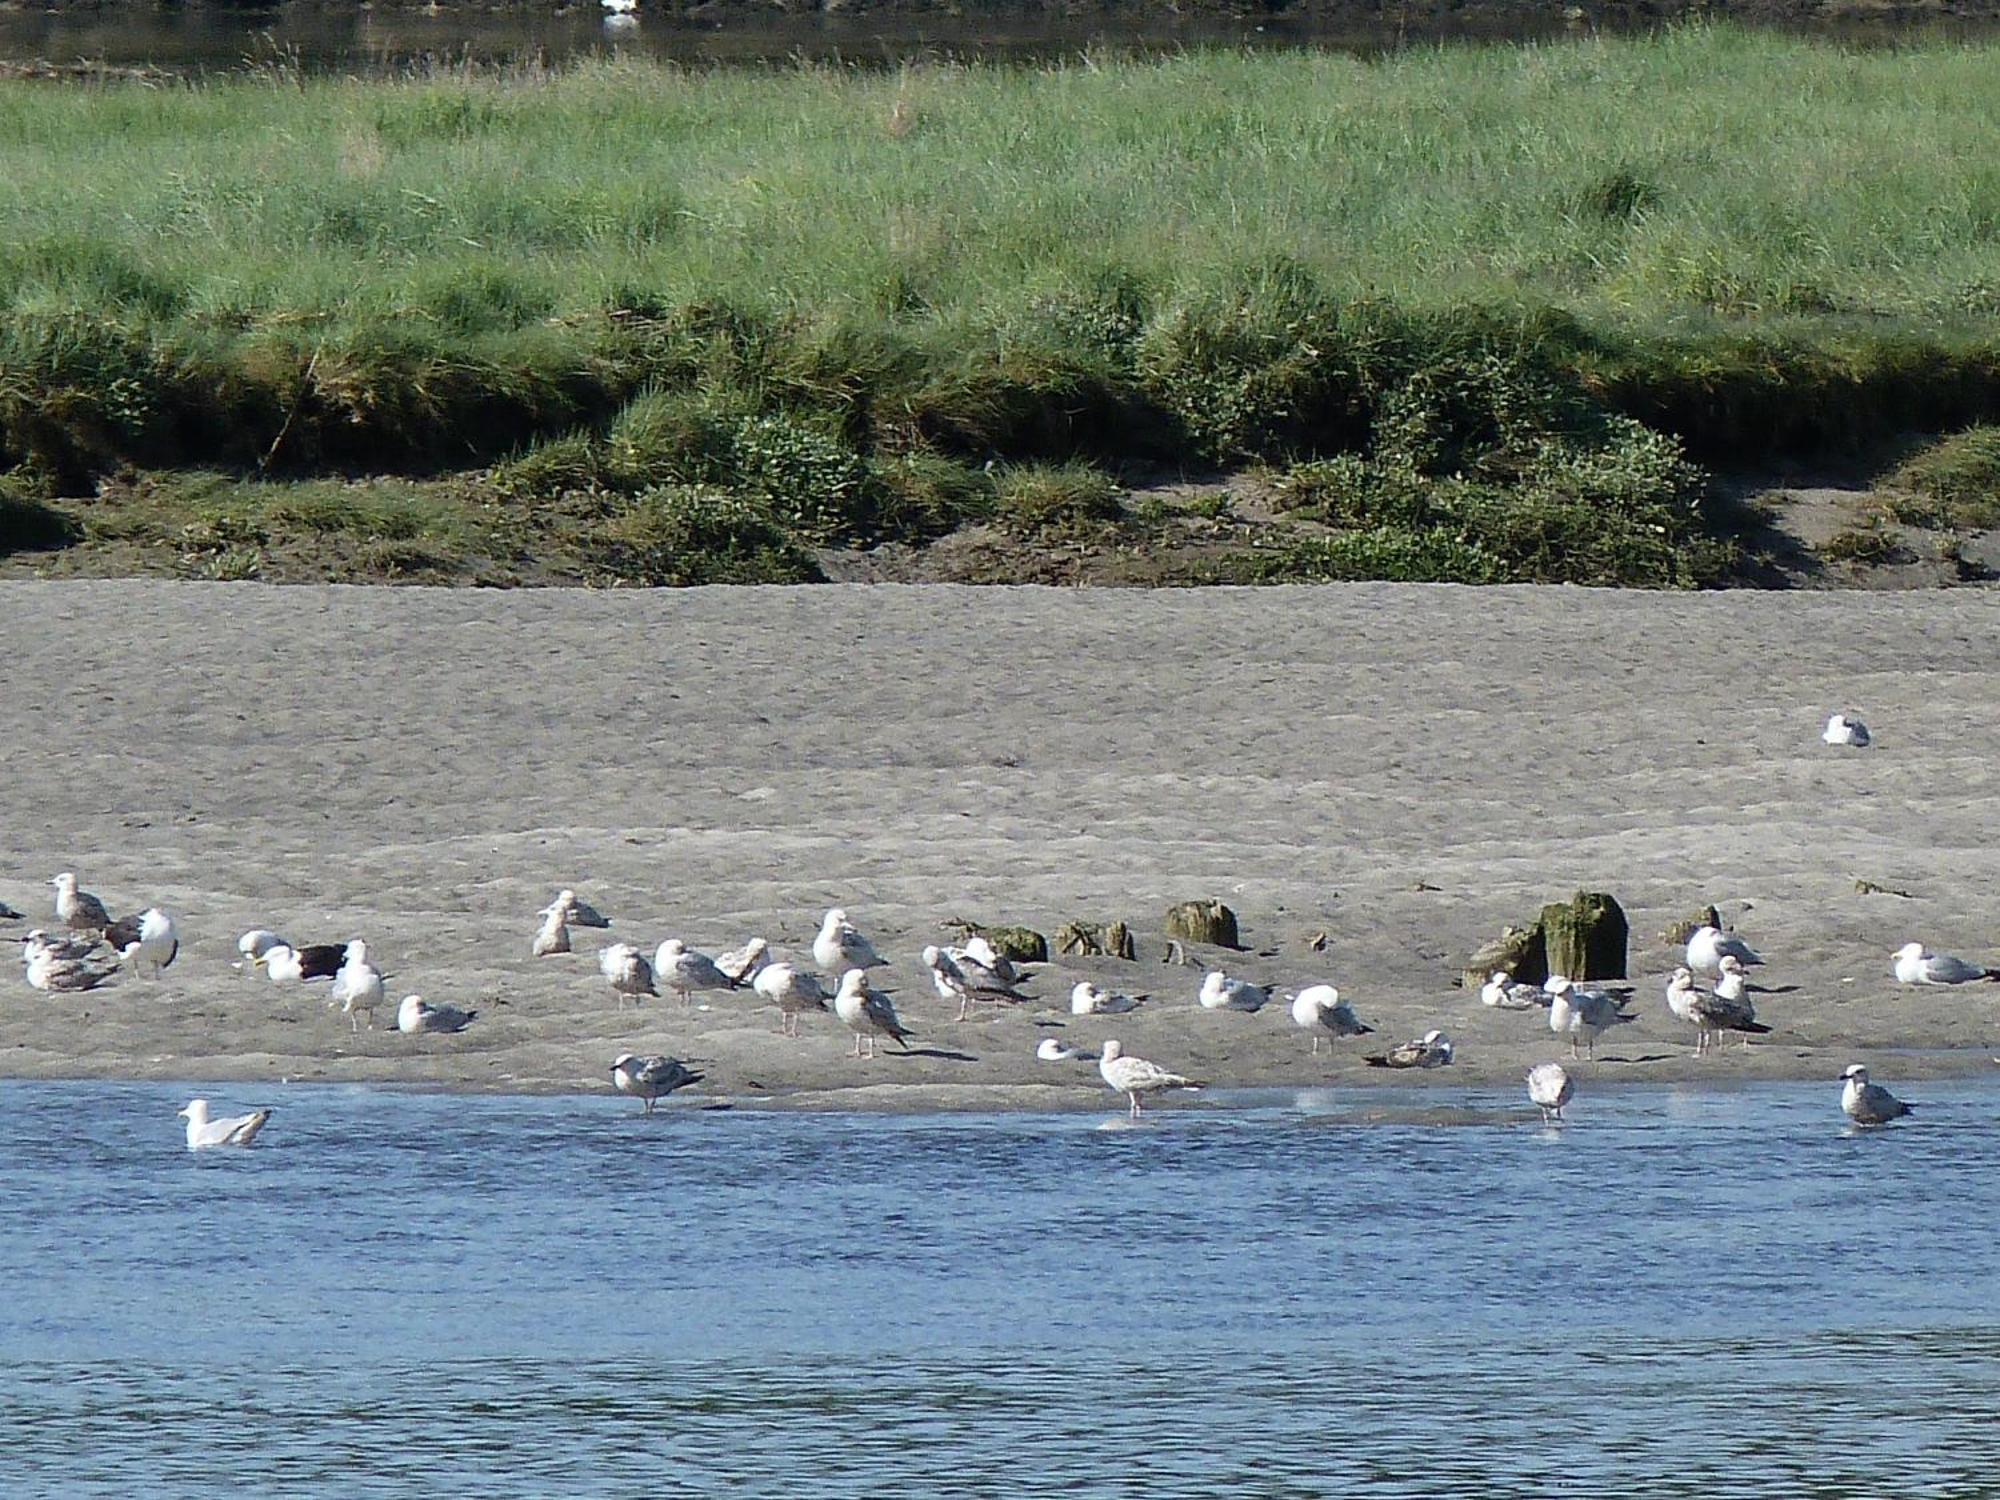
1496 301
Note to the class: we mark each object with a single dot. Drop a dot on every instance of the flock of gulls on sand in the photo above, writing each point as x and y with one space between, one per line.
91 947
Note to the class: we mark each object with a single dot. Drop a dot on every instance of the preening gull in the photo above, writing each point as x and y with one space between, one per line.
1086 999
1916 964
79 910
1846 729
868 1013
1550 1088
1710 945
627 969
237 1130
840 946
651 1078
1504 992
980 951
254 944
1051 1050
553 935
1134 1076
1581 1014
357 988
1220 992
286 964
957 975
417 1014
1868 1103
793 990
148 939
1320 1010
745 963
574 912
684 971
1431 1050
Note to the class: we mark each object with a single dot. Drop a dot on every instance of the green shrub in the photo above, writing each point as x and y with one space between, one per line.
813 484
1960 475
924 495
1035 499
677 535
675 437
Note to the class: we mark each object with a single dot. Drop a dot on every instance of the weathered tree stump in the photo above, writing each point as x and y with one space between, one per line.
1023 945
1680 932
1585 936
1113 940
1518 951
1207 922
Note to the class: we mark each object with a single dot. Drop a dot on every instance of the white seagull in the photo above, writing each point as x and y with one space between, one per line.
793 990
983 952
840 945
574 912
1868 1103
1134 1076
1710 945
239 1130
358 986
148 939
957 975
417 1014
1086 999
254 944
868 1013
79 910
1320 1010
1582 1015
1913 963
1220 992
1846 729
1550 1088
684 971
745 963
552 936
1051 1050
651 1078
628 971
1504 992
1431 1050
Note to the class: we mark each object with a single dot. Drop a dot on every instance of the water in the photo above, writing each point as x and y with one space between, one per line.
397 1294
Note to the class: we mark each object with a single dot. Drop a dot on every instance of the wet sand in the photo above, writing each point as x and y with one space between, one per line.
1402 768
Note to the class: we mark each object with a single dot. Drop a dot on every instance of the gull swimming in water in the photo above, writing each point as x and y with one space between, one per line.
1581 1014
1846 729
626 967
1504 992
1051 1050
1220 992
684 971
203 1132
743 964
552 937
148 938
1320 1010
285 964
417 1014
1913 963
575 913
840 945
793 990
1431 1050
1086 999
1869 1103
79 910
868 1013
1549 1089
651 1078
957 975
358 986
1710 945
1134 1076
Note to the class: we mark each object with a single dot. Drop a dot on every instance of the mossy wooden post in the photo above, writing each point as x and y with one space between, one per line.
1585 936
1207 922
1119 942
1518 951
1023 945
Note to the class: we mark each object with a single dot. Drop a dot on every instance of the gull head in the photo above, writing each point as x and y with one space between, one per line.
65 882
853 982
1112 1051
1909 950
1499 976
672 948
622 1060
196 1112
836 916
1558 984
356 952
1855 1074
931 956
1730 964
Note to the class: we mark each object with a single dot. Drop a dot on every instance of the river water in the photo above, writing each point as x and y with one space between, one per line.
1397 1292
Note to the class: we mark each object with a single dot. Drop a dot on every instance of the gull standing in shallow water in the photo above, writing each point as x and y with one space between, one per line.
1549 1089
416 1014
1134 1076
1868 1103
1320 1010
627 969
1220 992
79 910
793 990
1086 999
840 945
868 1013
651 1078
1708 946
203 1132
1431 1050
1915 964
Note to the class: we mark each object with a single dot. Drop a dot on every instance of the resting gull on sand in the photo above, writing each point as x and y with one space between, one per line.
651 1078
254 944
1504 992
957 975
1913 963
286 964
1431 1050
1710 945
1846 729
745 963
1134 1076
1220 992
684 971
868 1013
626 967
56 973
357 988
1086 999
1868 1103
574 912
149 939
1582 1015
793 990
79 910
552 936
1550 1088
417 1014
203 1132
1048 1049
1320 1010
840 946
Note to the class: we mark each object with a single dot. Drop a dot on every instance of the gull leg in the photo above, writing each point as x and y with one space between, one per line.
1315 1044
962 1006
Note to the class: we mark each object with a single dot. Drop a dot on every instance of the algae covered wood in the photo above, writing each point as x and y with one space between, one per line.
1088 939
1518 951
1023 945
1207 922
1585 937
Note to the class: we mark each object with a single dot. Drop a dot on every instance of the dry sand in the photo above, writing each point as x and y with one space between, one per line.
1403 768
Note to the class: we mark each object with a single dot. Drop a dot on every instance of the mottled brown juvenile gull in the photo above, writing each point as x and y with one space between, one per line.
627 969
651 1078
868 1013
51 972
79 910
1320 1010
1431 1050
203 1132
1134 1076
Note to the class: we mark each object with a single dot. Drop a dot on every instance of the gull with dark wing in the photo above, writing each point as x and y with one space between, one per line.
1134 1076
1868 1103
575 913
417 1014
79 910
1708 946
1220 992
651 1078
1431 1050
149 939
1320 1010
285 964
54 970
1913 963
1846 729
957 975
684 971
868 1013
981 951
840 945
1581 1014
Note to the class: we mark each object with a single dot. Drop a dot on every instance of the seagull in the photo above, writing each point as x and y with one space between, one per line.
1431 1050
49 971
1550 1088
79 910
8 914
793 990
868 1013
1710 945
1088 1000
983 952
1319 1009
1051 1050
574 912
1220 992
239 1130
1869 1103
285 964
1133 1076
684 971
957 975
1846 729
148 938
651 1078
1504 992
254 944
1915 964
743 964
1728 1009
840 946
37 941
1583 1014
358 986
417 1014
628 971
553 936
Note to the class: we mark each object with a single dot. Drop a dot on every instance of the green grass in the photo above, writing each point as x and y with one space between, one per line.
1954 483
851 299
